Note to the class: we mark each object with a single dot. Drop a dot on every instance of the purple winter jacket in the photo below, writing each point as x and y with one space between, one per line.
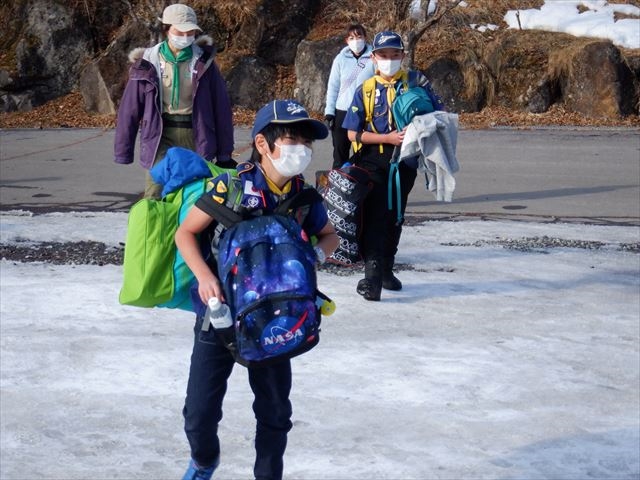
140 107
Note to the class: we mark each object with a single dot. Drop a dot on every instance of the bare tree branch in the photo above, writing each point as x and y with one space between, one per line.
132 10
417 28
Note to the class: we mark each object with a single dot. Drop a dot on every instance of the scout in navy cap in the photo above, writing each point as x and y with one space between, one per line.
287 112
282 137
387 39
372 124
388 53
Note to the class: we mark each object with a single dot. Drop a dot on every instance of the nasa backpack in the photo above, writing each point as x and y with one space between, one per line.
266 266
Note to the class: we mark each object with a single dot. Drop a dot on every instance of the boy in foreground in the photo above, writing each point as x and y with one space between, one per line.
282 137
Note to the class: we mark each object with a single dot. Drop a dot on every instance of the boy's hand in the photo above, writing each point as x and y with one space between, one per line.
208 288
395 137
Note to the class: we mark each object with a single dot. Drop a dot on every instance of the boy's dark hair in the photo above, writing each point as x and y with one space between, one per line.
356 28
274 131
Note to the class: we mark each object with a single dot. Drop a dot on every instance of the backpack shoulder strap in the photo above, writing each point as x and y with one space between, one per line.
227 214
368 98
231 212
305 197
407 81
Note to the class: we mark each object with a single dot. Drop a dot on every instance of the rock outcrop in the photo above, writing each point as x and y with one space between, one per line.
102 81
251 83
313 65
286 23
447 78
54 45
596 81
58 50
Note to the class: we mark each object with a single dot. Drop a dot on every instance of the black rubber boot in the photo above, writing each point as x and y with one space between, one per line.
371 285
389 280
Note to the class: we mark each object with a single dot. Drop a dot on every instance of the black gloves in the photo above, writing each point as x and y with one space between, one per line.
329 120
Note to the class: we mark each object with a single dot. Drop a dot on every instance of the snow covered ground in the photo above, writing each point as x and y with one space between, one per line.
491 363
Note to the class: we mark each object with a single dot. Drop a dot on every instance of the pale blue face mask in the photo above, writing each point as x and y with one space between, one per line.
294 159
181 42
389 67
356 45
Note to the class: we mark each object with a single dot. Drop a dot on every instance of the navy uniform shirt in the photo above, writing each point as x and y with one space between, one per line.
257 194
355 118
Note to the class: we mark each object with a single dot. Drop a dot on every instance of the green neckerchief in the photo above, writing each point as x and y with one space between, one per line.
183 55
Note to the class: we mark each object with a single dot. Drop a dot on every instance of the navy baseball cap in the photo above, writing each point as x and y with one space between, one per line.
287 111
387 39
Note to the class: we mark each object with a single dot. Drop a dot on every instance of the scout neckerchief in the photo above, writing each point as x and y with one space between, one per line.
183 55
391 92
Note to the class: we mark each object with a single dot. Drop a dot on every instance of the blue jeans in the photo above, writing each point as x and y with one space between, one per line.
211 366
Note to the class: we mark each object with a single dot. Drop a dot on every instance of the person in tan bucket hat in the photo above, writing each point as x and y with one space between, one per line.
175 97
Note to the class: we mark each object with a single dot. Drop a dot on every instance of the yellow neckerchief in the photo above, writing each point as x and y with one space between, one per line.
368 98
273 187
390 85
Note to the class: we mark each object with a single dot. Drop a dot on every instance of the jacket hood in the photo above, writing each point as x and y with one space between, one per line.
137 53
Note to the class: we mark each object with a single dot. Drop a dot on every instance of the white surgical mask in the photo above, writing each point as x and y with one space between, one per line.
356 45
180 42
389 67
294 159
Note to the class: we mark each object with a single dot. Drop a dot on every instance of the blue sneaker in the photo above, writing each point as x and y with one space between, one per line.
195 472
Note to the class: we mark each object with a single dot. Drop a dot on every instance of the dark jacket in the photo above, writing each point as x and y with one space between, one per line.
140 107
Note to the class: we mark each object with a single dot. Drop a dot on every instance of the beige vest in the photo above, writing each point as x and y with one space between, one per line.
185 98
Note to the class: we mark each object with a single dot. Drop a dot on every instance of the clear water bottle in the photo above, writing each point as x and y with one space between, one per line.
217 314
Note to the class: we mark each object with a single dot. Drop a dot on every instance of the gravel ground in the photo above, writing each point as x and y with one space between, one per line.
97 253
67 253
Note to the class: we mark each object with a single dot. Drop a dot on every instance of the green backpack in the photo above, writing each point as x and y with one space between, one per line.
155 274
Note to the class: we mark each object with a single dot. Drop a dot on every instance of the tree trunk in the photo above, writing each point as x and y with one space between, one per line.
419 24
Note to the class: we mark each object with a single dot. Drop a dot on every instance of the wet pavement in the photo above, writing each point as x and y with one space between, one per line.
548 175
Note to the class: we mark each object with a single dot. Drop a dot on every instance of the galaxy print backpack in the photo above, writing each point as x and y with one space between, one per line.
266 265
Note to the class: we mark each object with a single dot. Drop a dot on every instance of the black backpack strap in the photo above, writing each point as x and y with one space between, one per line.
223 214
227 216
305 197
229 213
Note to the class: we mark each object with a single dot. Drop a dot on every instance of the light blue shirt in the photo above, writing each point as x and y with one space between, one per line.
346 69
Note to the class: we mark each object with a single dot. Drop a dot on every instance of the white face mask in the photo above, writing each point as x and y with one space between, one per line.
180 42
389 67
356 45
294 159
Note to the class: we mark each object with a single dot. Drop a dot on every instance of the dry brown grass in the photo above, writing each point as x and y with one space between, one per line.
556 116
233 13
335 15
451 37
560 63
68 112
